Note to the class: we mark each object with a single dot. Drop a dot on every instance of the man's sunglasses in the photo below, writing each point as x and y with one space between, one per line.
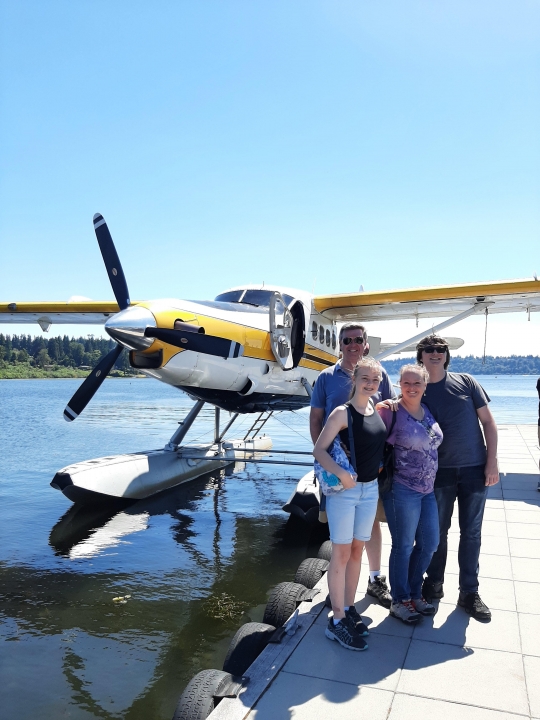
435 349
357 340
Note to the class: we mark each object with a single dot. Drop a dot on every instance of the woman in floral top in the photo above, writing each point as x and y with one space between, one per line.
410 506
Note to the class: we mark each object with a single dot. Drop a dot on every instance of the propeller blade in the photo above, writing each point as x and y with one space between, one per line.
91 385
112 262
197 342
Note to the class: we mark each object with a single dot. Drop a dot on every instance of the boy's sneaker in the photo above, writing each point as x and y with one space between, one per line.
474 606
423 607
432 590
379 589
354 618
405 611
345 634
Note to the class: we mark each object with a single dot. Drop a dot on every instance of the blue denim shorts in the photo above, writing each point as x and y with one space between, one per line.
351 513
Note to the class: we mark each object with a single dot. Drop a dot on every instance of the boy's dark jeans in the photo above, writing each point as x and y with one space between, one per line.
467 484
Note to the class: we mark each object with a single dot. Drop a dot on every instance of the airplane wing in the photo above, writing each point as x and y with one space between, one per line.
442 301
77 312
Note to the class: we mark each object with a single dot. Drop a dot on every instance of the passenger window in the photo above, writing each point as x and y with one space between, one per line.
314 331
333 339
321 334
328 338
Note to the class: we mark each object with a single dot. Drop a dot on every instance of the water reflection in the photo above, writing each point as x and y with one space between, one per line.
86 656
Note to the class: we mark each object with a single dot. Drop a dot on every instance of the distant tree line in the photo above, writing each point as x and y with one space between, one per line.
86 352
492 365
58 351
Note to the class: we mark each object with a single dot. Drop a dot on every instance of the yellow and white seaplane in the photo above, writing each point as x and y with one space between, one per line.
253 349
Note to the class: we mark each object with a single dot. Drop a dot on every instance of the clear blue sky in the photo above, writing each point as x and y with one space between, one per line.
309 144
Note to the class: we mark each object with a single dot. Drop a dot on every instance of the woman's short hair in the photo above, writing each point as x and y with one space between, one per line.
351 326
364 362
428 341
417 368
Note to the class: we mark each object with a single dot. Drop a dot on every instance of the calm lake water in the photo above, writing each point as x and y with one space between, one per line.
68 650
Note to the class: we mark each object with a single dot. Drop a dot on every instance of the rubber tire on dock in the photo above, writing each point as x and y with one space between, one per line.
197 701
325 551
310 572
283 601
246 646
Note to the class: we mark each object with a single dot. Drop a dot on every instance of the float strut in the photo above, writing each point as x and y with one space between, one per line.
227 426
216 425
307 387
180 434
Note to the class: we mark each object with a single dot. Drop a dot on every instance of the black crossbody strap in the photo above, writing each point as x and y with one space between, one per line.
351 437
394 417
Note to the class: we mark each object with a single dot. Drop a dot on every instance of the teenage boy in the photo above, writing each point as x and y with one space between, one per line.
332 388
467 467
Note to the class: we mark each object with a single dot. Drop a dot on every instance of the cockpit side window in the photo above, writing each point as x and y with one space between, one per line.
257 298
231 296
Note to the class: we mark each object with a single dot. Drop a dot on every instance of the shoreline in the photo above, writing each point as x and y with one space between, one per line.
52 375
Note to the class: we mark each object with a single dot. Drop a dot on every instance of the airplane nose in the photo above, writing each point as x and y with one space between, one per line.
127 327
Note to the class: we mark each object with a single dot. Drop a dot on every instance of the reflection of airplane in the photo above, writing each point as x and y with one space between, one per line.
252 349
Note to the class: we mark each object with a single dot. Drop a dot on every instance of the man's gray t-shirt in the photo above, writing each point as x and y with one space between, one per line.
453 402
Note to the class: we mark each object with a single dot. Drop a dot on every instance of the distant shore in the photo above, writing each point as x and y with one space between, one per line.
24 371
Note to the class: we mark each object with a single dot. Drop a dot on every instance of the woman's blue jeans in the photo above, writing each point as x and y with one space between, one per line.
413 520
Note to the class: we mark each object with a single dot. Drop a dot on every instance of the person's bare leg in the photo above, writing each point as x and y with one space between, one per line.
352 571
374 547
336 578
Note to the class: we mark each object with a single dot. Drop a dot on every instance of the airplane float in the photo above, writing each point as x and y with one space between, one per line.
253 349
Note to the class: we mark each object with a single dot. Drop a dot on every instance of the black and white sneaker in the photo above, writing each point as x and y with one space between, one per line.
345 634
354 617
380 590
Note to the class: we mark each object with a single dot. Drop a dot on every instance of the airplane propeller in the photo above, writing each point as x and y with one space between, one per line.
130 328
112 262
91 385
119 285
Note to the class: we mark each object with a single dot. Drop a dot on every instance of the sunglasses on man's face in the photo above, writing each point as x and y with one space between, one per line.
435 349
349 340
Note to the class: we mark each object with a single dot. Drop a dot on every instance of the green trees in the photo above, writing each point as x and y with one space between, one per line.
55 353
513 365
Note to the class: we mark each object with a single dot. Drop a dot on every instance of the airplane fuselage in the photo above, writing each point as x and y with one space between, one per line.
255 381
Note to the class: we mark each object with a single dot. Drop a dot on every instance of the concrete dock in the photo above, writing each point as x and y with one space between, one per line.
447 667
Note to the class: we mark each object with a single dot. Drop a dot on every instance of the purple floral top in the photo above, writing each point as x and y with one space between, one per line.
415 448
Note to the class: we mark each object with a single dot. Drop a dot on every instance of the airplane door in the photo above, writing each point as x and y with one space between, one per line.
281 329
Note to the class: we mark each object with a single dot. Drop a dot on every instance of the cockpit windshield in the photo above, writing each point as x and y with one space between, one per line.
257 298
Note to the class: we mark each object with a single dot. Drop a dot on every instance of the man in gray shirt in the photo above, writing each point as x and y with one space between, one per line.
467 467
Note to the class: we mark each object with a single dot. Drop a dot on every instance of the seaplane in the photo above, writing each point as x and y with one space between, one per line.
253 349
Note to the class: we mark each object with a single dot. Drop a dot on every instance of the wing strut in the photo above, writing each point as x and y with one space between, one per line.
476 308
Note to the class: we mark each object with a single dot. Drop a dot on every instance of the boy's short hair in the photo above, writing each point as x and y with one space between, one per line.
427 342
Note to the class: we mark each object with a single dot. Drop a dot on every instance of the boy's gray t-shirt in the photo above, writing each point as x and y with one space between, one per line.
453 402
